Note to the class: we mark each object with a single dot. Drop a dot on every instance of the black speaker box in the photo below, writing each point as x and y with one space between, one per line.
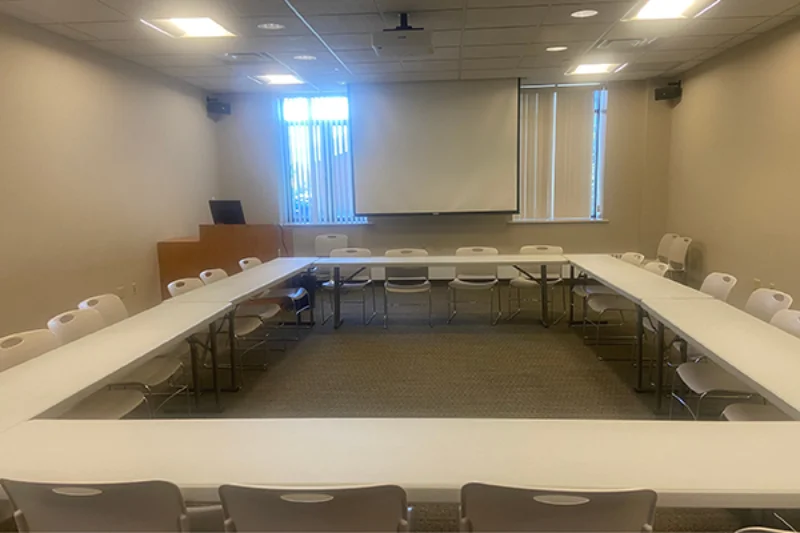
218 108
671 92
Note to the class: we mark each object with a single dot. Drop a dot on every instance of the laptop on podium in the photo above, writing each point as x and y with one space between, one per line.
227 211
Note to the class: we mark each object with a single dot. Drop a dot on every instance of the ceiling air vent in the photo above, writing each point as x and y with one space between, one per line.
622 45
246 58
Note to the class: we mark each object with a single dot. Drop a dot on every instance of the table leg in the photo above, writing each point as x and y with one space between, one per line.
195 371
212 341
543 285
337 302
659 365
639 348
232 348
571 294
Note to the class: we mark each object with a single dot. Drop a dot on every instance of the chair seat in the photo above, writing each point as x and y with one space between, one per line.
600 303
245 325
473 285
261 310
155 372
523 282
584 291
407 287
107 404
290 293
750 412
348 286
704 378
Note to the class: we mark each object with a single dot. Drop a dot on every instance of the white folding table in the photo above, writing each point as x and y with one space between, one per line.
726 465
518 261
54 381
235 290
636 284
756 352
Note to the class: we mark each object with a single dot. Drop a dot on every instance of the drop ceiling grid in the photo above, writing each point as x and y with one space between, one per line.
473 38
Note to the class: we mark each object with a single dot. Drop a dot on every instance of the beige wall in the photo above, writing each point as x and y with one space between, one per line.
99 160
734 166
638 138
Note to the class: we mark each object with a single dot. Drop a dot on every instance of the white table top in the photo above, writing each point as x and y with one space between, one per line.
443 260
57 379
242 286
635 283
759 354
689 464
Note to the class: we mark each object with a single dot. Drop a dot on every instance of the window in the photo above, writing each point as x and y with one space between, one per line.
562 153
318 174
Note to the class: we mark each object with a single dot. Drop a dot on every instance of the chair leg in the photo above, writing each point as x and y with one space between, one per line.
451 304
430 308
491 306
364 306
385 308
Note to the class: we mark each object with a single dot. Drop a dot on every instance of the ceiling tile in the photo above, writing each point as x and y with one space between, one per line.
499 36
66 31
485 64
507 3
248 27
750 8
260 69
606 12
509 50
349 41
172 60
739 39
113 31
690 43
545 75
297 44
53 11
446 38
429 66
249 8
573 48
435 20
412 6
564 33
651 67
359 56
772 24
666 56
220 10
180 72
374 68
131 48
731 26
366 23
489 74
505 17
548 61
439 54
645 29
339 7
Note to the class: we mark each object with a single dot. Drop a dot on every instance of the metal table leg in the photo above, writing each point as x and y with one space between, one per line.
571 294
212 340
543 285
659 365
195 371
232 348
639 349
337 302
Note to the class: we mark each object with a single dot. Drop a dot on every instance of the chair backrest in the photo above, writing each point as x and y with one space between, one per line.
146 506
110 306
495 508
476 272
20 347
719 285
678 252
73 325
545 249
184 285
249 262
633 258
407 273
325 244
346 272
380 508
664 246
788 320
764 303
657 267
212 275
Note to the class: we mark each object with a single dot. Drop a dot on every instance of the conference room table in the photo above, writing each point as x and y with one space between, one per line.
689 464
637 285
236 290
518 261
55 381
759 354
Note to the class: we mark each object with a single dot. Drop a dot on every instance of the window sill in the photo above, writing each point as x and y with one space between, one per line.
560 221
328 225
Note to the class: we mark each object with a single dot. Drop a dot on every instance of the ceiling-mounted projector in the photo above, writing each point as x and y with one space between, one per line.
403 41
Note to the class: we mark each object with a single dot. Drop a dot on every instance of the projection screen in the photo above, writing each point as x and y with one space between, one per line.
435 147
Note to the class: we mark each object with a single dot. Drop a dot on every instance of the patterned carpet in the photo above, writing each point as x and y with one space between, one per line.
467 369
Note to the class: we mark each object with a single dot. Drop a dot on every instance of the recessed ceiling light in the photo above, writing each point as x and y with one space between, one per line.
272 26
708 8
305 58
556 48
594 68
281 79
664 9
584 14
620 68
189 27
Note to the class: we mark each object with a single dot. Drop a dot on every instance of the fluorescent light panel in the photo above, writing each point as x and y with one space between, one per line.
664 9
184 28
594 68
281 79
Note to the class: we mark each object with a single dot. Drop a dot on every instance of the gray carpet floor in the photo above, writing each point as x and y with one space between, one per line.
517 369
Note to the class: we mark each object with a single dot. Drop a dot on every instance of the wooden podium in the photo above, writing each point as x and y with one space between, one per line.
219 246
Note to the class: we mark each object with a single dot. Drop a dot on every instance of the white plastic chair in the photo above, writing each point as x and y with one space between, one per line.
249 262
20 347
406 280
110 306
253 315
719 285
474 278
352 280
789 321
706 379
634 258
184 285
325 244
664 246
678 253
523 282
212 275
108 403
294 294
584 291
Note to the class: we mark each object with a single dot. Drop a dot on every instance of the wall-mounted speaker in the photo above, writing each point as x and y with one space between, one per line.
214 106
673 91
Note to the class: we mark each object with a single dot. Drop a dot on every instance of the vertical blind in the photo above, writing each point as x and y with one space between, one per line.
318 183
562 141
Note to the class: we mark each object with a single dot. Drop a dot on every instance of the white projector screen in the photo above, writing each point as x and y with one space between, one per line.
435 147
